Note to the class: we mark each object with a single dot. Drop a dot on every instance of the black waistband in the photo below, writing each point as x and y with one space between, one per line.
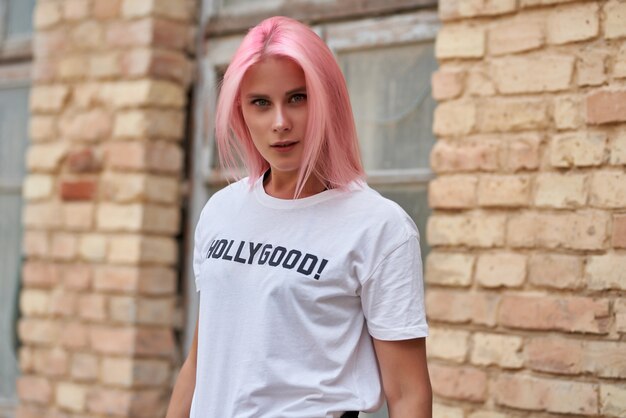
350 414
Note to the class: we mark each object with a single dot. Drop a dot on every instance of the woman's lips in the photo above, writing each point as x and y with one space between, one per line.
285 146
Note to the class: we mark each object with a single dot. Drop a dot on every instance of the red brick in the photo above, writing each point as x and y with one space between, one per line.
539 394
154 157
448 156
84 160
30 411
34 389
144 280
74 335
112 340
554 355
170 65
557 271
606 107
78 189
462 306
51 362
92 125
38 331
106 9
568 313
462 383
77 276
152 32
109 401
618 239
40 274
92 306
63 303
154 342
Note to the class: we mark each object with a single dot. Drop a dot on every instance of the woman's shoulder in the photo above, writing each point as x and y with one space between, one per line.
370 207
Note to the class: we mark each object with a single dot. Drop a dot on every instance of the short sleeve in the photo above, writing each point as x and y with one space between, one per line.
393 296
197 250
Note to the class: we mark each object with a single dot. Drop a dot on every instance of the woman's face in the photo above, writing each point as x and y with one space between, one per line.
274 106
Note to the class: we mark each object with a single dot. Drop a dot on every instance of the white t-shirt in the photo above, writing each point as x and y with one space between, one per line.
290 293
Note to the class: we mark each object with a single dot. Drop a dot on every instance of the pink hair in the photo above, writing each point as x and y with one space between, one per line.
331 148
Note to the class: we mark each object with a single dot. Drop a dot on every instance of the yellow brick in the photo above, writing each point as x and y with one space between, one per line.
47 14
613 400
579 149
619 68
88 35
128 249
45 157
497 350
516 35
130 187
42 215
444 411
554 190
449 269
471 8
149 124
452 192
42 127
78 216
618 148
460 41
48 98
72 67
615 16
71 396
501 269
607 271
504 115
447 344
105 65
475 230
608 189
533 75
117 371
165 8
573 23
145 93
93 247
504 190
454 118
34 302
38 186
568 112
590 68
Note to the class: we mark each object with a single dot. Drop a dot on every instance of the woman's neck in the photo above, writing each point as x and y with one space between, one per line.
283 185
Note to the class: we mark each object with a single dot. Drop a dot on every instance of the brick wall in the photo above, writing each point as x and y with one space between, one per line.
103 207
527 277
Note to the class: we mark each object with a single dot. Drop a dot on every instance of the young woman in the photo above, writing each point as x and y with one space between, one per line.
311 293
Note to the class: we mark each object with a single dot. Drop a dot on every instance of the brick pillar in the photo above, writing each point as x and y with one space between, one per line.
527 277
103 206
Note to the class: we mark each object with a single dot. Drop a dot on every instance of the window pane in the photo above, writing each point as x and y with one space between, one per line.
13 134
20 17
393 109
10 238
13 142
413 198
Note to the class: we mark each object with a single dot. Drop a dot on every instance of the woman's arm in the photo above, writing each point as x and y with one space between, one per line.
405 377
180 402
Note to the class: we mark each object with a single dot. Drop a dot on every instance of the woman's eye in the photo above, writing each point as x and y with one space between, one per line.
297 98
260 102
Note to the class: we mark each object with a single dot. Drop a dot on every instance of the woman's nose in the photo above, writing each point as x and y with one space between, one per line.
281 122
